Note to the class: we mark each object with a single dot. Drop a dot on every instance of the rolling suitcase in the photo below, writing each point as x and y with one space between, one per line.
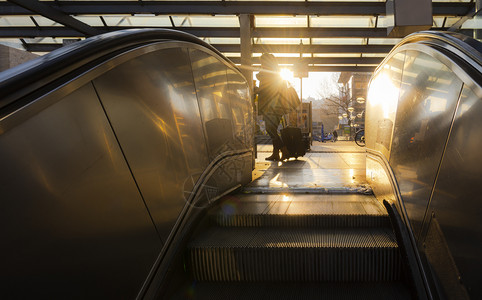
293 140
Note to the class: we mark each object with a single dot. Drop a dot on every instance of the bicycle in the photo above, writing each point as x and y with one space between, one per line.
360 137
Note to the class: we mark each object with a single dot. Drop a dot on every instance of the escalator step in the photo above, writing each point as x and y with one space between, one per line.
319 221
281 254
308 291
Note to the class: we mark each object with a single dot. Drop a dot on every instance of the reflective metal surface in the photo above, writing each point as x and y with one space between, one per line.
434 155
151 103
383 101
72 218
241 109
456 202
210 78
86 172
379 180
428 97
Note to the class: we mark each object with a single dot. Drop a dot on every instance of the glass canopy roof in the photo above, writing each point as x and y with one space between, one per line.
357 33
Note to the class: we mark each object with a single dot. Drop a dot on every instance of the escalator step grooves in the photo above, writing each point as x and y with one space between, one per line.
307 221
308 291
295 255
296 264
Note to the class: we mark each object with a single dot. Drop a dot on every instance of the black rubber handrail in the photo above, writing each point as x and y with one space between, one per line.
52 68
465 44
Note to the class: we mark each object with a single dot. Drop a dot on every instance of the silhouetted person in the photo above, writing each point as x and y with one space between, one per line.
335 136
270 83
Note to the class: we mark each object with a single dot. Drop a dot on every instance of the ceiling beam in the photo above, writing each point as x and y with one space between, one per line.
257 48
317 32
33 32
262 48
30 47
56 31
233 8
320 60
341 69
53 31
46 31
56 15
368 69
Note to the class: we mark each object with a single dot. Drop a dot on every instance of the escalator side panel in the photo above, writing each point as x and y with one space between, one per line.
434 156
428 97
152 105
455 210
73 223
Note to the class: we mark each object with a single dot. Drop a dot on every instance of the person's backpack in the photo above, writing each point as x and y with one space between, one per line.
288 99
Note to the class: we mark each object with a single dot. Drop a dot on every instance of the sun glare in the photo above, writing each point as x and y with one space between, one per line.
287 75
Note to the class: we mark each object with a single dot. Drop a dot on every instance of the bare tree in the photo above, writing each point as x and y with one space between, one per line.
335 102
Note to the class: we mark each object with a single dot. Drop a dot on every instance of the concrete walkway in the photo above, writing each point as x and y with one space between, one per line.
328 168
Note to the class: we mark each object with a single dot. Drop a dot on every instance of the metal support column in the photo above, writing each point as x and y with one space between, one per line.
246 47
478 32
245 24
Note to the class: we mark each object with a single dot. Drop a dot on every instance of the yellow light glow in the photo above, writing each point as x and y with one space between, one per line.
275 183
287 75
352 175
382 92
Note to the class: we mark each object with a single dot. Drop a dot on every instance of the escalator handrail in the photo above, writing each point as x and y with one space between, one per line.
22 80
466 45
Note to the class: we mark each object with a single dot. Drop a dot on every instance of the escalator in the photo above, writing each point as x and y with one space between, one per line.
259 246
127 154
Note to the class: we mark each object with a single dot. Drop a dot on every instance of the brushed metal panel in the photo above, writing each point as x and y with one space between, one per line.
152 105
382 103
428 97
242 110
210 77
456 201
73 223
379 180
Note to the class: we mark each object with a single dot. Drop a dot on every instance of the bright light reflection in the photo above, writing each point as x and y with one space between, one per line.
352 175
383 93
275 183
285 198
287 75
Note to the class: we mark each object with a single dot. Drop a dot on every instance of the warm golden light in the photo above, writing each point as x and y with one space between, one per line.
382 92
287 75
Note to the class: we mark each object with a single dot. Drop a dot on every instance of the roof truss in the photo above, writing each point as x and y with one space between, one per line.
324 47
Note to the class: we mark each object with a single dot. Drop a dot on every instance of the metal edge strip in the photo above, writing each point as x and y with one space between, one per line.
51 97
381 159
184 214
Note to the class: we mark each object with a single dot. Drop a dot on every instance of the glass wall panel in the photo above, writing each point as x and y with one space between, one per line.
337 41
336 54
380 41
138 20
16 21
280 21
282 41
90 20
353 21
206 21
428 96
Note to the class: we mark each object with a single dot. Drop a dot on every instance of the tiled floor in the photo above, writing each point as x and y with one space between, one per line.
329 166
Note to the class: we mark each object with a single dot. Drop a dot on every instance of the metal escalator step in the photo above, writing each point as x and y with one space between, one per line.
318 221
305 291
281 254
